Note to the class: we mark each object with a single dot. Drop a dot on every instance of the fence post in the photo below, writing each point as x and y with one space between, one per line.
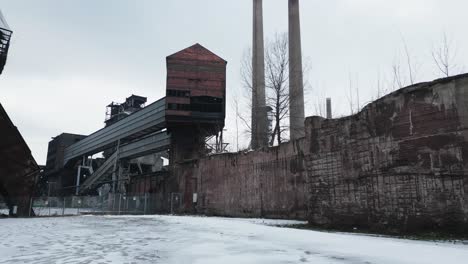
126 204
63 208
144 205
172 195
30 206
113 203
120 201
79 205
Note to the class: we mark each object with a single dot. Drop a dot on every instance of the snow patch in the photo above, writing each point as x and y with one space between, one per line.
175 239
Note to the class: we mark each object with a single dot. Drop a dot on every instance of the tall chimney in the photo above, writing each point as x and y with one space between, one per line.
296 85
259 114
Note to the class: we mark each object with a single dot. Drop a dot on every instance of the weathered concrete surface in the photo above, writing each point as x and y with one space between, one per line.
400 162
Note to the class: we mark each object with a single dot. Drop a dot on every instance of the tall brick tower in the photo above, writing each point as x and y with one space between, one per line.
195 100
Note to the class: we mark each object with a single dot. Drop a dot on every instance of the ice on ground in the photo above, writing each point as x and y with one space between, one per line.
175 239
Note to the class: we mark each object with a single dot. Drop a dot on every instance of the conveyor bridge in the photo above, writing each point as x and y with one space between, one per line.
144 122
139 134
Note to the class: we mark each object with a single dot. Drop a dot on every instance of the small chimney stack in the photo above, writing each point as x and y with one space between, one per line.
329 109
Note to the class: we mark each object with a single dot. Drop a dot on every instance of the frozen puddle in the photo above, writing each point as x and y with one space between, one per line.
173 239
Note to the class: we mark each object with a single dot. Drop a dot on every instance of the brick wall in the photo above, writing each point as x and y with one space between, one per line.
400 162
267 183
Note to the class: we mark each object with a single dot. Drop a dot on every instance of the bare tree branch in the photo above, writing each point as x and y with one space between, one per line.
276 84
277 68
444 56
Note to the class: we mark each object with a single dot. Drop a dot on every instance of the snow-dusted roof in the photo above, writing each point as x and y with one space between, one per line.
3 23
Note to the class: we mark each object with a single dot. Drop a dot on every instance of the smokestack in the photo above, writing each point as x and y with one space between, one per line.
296 85
329 108
259 114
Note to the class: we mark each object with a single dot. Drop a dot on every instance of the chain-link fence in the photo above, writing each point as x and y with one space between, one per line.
147 203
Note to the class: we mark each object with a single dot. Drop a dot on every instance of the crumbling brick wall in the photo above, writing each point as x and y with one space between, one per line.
400 162
268 183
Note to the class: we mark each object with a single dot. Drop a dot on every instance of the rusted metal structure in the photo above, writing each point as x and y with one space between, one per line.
195 100
117 111
5 37
58 177
18 169
137 137
128 136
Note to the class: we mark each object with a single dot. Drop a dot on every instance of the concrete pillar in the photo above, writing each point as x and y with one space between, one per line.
259 114
329 109
296 85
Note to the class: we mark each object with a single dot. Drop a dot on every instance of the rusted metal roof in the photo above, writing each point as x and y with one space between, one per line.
196 52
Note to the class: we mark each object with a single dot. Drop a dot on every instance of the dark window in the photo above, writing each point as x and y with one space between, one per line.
206 104
180 107
177 93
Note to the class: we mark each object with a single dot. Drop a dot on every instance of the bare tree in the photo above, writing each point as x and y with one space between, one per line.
319 103
276 84
398 80
381 86
406 74
409 63
246 77
353 96
444 56
350 95
277 76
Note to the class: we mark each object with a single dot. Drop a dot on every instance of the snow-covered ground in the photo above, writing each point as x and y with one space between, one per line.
175 239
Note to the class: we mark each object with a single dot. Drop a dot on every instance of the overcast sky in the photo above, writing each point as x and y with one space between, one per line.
69 59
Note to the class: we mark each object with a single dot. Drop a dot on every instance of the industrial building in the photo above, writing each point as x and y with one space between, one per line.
136 137
18 169
400 163
5 37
